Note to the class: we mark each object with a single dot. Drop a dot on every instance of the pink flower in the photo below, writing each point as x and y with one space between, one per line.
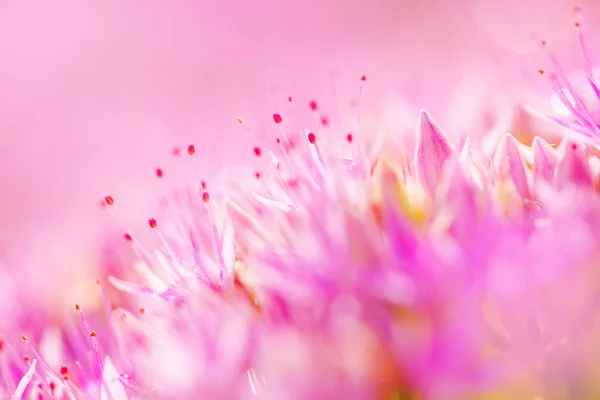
372 277
353 267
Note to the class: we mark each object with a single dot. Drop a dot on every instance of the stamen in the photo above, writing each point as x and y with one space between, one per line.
95 346
37 356
584 115
586 53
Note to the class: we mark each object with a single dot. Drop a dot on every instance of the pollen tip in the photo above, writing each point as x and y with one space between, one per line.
257 151
128 237
312 138
25 338
152 223
191 150
77 307
277 118
159 172
363 78
240 121
109 200
205 197
142 310
541 71
93 334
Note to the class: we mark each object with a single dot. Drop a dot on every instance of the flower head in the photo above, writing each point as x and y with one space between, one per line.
441 271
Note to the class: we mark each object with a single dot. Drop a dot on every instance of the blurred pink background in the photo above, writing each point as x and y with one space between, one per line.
94 94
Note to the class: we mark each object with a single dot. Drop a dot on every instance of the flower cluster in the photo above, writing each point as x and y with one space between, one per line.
447 271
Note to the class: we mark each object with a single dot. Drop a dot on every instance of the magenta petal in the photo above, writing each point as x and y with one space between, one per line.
403 241
574 167
545 160
432 151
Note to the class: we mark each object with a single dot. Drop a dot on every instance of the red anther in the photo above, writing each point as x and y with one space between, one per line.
313 105
363 78
128 237
205 197
277 118
93 334
159 172
349 138
312 138
109 200
257 151
191 150
152 223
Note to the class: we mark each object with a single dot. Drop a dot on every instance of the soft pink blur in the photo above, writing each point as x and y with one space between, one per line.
95 94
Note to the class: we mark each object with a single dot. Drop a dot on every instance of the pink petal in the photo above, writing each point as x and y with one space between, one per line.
508 161
432 151
574 167
457 196
545 160
18 394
